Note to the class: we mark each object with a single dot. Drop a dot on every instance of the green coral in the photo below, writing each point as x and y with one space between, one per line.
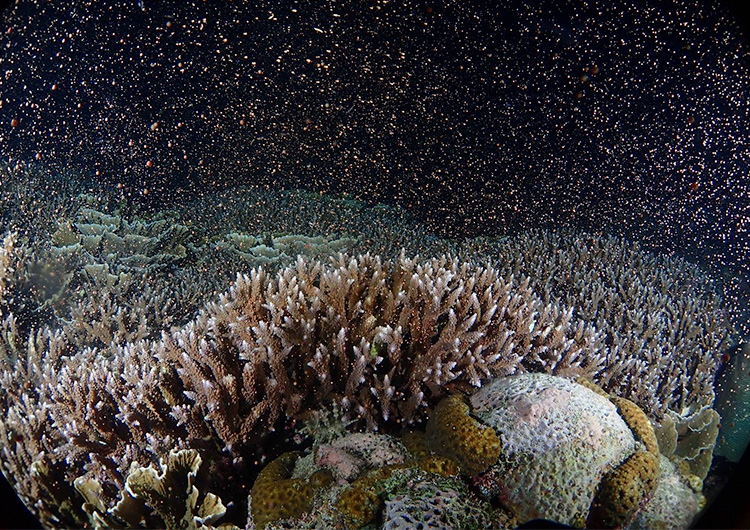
454 434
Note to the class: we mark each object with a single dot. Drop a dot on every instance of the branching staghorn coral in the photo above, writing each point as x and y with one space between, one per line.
382 339
663 324
101 368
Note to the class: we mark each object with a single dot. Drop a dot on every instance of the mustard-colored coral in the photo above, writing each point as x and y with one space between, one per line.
438 465
638 422
359 506
454 434
416 443
589 383
276 496
624 490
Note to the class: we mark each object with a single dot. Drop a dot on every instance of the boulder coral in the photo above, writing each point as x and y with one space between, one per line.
523 447
565 449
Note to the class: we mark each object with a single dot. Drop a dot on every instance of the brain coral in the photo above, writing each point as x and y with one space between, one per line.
558 438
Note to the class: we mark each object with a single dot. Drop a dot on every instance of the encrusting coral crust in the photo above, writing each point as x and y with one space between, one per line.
624 490
454 434
275 495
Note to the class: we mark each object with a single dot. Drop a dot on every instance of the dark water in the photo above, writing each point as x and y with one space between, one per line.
629 118
477 117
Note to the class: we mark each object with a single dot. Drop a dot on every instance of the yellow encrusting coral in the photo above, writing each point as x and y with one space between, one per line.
454 434
624 490
638 422
591 385
439 465
359 506
276 496
416 443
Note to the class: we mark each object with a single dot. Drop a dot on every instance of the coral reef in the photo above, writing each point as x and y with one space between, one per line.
135 246
281 250
377 494
570 454
116 347
663 323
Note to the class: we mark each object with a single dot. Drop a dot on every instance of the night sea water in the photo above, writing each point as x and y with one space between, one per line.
374 264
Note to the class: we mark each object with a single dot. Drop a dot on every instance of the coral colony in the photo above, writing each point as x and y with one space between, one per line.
343 380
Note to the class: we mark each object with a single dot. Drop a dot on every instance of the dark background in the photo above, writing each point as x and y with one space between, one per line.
479 117
630 117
